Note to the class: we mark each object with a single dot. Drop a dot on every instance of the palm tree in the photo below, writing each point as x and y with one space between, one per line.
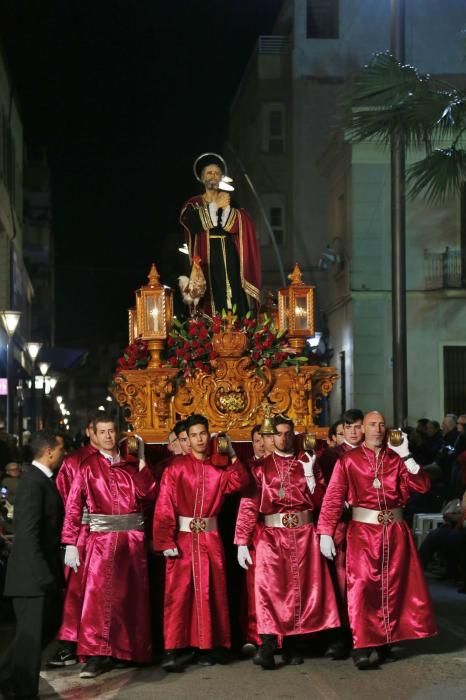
389 100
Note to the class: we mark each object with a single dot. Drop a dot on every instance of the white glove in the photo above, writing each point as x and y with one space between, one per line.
141 446
231 451
308 468
327 546
244 558
72 557
171 553
403 451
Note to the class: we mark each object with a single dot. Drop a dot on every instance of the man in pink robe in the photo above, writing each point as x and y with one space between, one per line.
293 589
249 618
351 426
115 621
388 600
68 632
191 495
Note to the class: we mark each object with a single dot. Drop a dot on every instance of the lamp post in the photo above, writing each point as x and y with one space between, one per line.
10 321
33 350
43 368
398 237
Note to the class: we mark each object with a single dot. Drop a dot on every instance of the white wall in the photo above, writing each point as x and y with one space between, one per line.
434 39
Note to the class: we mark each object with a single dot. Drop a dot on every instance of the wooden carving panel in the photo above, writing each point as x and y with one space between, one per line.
232 397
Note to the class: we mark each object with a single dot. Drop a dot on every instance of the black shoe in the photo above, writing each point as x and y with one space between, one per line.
63 657
176 661
95 666
362 658
292 658
384 653
205 658
249 649
121 663
338 650
265 658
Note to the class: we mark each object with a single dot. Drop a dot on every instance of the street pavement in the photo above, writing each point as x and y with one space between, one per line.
431 669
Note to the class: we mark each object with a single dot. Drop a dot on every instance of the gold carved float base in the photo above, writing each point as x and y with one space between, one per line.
233 397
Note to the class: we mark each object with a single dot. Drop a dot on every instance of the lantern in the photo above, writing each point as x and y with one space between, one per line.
296 310
154 312
132 324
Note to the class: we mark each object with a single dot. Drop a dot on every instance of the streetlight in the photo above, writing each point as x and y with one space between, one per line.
43 368
10 321
33 350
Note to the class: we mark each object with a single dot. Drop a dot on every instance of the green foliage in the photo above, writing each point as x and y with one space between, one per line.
390 102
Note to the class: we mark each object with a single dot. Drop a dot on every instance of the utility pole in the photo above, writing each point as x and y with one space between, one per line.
398 236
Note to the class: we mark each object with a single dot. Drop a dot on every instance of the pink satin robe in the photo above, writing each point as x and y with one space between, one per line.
196 603
73 593
115 619
293 589
248 612
326 462
388 600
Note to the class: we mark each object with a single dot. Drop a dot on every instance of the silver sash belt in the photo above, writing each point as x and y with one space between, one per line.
377 517
116 523
288 520
196 525
85 519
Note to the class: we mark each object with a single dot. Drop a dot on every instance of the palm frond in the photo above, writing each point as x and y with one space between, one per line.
438 175
389 100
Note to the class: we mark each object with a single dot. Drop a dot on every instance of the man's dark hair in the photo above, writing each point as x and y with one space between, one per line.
256 429
332 431
92 417
180 427
103 417
196 419
283 420
42 441
436 424
352 415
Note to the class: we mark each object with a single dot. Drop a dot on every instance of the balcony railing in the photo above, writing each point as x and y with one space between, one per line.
445 270
275 45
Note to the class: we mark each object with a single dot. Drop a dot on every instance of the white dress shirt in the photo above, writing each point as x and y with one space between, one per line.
48 472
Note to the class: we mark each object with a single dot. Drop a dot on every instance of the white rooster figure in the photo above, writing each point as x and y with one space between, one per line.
193 287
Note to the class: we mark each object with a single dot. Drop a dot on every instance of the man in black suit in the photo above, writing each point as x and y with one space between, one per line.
34 578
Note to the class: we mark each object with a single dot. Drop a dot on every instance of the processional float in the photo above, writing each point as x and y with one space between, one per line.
234 390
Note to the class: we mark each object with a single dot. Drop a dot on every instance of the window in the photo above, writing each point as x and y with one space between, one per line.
463 235
275 211
454 378
273 140
322 20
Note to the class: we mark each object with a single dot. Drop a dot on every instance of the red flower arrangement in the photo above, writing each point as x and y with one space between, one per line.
190 344
135 356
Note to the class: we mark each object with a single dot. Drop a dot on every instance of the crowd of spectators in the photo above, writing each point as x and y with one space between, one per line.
441 449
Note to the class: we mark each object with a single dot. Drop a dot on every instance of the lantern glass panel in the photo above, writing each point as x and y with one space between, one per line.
300 313
154 314
286 310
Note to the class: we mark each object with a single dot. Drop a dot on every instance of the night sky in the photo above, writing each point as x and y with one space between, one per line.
123 94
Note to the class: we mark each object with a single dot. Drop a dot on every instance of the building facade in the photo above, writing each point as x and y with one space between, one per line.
328 201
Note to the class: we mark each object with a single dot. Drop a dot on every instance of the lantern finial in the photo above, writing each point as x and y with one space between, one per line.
296 276
153 277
